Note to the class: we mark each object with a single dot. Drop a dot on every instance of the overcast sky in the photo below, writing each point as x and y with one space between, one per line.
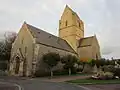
101 17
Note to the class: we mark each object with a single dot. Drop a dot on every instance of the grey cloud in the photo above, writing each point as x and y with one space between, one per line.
110 49
101 17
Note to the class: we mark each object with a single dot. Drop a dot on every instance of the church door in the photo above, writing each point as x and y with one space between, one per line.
24 67
17 65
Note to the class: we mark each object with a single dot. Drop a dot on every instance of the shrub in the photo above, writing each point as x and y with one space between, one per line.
39 74
111 68
62 72
3 73
69 62
74 70
3 65
79 69
109 75
117 72
51 59
103 76
108 68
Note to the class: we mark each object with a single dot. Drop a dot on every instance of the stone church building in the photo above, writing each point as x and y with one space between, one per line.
32 43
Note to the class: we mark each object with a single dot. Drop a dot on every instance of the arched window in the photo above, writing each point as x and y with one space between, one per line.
66 23
22 40
79 24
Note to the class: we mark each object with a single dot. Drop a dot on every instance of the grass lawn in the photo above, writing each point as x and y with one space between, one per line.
81 74
66 74
91 81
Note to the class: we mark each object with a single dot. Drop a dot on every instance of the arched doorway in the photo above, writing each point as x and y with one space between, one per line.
17 65
24 67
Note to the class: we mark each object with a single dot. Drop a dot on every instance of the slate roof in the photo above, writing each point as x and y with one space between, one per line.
48 39
84 42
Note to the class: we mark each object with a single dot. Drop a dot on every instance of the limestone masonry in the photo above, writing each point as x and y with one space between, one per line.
31 43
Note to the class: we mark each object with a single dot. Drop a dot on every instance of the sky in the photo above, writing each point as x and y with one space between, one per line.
101 18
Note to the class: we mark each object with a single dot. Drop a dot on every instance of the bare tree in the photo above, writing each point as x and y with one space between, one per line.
5 47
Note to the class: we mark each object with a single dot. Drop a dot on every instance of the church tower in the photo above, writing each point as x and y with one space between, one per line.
71 27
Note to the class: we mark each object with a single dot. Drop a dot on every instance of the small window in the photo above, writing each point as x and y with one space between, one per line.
66 23
25 49
22 40
79 24
20 49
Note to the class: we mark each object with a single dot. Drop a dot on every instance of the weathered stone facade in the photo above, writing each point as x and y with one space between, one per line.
23 48
89 49
31 43
43 49
29 47
71 27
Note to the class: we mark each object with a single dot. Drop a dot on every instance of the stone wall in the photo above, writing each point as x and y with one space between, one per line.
25 44
47 49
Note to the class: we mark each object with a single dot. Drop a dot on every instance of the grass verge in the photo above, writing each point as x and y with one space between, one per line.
91 81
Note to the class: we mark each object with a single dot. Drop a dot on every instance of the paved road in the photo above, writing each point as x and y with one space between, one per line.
8 86
64 78
37 84
16 83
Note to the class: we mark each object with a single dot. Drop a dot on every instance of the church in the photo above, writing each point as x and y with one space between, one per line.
32 43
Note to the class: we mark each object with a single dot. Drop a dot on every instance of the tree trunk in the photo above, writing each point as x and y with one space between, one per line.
83 67
51 73
69 71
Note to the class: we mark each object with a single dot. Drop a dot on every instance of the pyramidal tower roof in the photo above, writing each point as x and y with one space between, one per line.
68 8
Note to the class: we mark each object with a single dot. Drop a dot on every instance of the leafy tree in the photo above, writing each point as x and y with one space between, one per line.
107 62
91 62
112 62
100 62
118 61
51 59
69 62
81 63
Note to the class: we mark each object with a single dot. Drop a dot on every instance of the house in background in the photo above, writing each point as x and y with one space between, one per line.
32 43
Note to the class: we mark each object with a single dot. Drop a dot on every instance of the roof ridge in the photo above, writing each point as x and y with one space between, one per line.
39 29
88 37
